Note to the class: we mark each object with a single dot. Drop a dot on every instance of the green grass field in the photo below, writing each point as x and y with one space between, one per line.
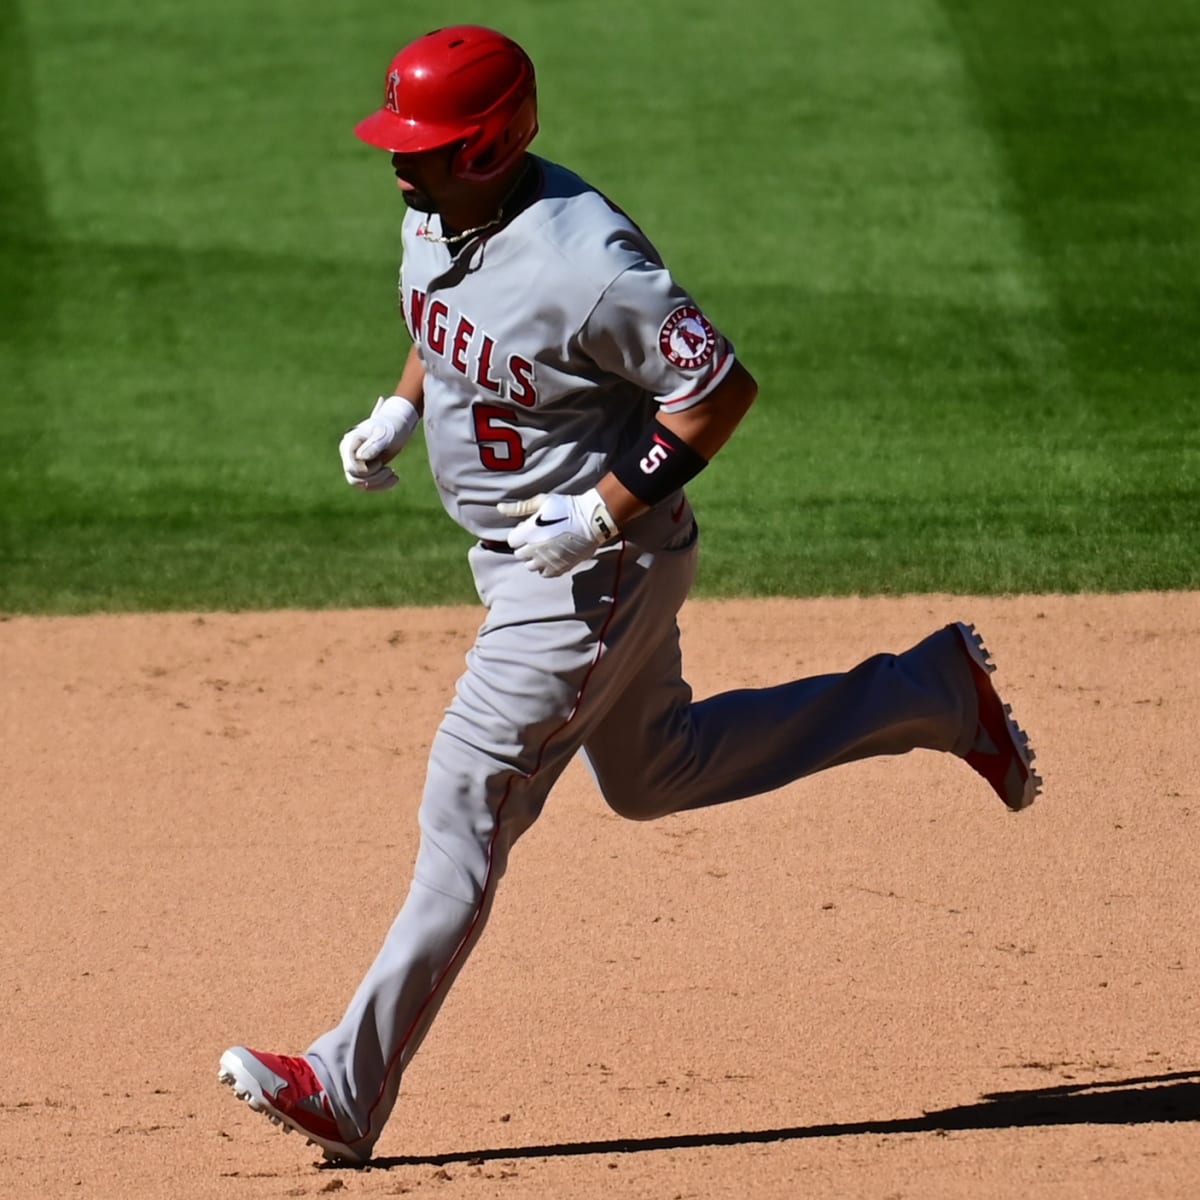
958 243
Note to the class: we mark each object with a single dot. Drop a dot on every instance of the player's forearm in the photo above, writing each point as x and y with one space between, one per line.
707 426
412 380
703 429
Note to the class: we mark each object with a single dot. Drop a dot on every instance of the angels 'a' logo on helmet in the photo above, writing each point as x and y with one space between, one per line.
391 94
686 339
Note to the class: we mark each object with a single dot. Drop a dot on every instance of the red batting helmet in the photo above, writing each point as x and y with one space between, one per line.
462 84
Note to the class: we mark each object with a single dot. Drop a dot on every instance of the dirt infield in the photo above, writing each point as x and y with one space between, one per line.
874 983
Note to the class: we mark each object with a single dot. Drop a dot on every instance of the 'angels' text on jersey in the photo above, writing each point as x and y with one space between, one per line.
456 339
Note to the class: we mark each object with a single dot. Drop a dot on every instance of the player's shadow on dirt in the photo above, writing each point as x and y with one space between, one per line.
1146 1100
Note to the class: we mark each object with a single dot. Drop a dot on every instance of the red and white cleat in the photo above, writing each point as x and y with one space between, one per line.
286 1090
1001 752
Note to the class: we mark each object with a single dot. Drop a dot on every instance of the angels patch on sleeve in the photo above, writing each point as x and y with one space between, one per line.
686 339
646 329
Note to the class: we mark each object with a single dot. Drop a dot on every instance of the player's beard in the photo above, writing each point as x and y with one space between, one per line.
420 201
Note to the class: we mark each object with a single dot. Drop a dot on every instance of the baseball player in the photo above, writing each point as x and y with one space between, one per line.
570 389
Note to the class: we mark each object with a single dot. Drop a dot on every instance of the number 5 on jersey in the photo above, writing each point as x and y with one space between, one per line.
500 447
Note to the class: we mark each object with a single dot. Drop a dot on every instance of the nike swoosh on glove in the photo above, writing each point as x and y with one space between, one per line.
372 444
559 532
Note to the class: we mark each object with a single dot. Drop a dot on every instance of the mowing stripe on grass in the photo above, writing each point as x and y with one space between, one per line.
27 289
22 194
906 335
1094 109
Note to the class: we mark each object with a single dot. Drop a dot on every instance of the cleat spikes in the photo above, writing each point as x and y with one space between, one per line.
286 1091
1001 752
983 655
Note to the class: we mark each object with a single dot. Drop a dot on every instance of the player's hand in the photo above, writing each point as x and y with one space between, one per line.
559 532
372 444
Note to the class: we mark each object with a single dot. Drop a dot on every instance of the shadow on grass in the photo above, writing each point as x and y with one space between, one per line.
1147 1100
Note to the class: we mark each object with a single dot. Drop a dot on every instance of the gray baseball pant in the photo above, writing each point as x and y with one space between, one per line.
591 661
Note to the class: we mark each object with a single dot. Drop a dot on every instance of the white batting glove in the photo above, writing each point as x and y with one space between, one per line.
372 444
559 532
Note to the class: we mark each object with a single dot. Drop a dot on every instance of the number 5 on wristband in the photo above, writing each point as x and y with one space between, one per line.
658 464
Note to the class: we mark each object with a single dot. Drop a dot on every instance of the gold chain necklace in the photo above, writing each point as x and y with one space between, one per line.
455 239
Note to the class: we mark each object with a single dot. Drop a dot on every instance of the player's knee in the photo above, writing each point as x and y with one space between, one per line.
636 805
654 790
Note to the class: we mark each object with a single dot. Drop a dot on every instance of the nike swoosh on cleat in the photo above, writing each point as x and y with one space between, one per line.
278 1083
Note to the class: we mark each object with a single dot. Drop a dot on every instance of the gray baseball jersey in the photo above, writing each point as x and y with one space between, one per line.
546 347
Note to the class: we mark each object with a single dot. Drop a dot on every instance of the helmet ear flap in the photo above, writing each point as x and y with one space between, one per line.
498 144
